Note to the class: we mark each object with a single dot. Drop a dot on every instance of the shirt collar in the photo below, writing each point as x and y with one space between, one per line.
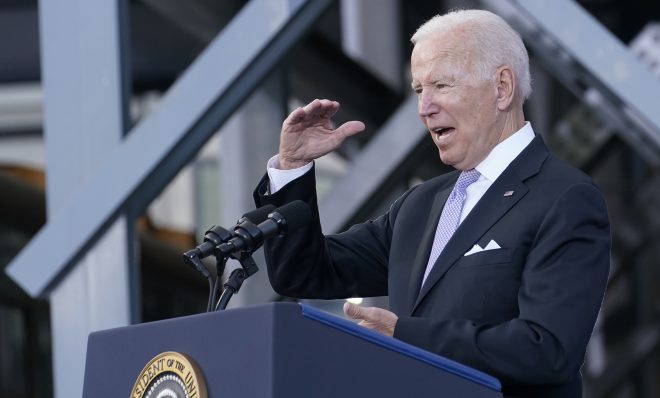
505 152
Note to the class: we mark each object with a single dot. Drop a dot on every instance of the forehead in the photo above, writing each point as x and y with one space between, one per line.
440 55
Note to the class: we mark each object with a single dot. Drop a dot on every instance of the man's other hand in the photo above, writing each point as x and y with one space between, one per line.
378 319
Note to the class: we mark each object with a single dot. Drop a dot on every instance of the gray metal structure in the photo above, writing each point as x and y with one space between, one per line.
154 150
584 55
85 88
369 172
248 139
115 173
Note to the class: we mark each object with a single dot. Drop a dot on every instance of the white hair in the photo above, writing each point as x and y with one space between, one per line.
494 42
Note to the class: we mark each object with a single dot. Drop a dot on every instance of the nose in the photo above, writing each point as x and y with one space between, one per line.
426 106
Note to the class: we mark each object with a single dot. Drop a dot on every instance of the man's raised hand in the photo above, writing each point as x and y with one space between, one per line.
307 133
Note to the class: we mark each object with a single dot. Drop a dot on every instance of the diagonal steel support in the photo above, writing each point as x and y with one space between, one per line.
397 138
594 64
159 146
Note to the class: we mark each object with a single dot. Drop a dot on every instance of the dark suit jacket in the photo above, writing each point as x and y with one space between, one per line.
523 313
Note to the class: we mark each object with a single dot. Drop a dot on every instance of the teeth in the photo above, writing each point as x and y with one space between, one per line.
440 133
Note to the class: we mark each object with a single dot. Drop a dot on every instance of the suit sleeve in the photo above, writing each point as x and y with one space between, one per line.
562 287
307 264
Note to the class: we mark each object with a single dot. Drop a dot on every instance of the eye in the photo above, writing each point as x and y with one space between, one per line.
417 90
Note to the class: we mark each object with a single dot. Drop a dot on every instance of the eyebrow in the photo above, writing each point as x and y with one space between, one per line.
446 80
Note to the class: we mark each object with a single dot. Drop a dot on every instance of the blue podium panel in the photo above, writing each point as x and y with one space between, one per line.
279 350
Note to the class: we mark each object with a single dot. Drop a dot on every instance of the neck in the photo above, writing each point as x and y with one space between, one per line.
513 121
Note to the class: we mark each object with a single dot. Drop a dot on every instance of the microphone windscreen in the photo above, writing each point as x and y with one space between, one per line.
296 214
257 216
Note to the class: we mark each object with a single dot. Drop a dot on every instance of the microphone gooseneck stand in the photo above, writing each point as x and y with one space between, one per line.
220 263
236 279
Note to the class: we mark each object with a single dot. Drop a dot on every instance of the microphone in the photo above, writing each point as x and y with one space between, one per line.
248 237
256 216
216 235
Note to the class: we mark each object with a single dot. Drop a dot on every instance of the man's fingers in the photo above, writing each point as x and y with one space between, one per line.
320 111
318 108
374 318
350 128
314 112
296 116
312 106
368 314
329 108
353 311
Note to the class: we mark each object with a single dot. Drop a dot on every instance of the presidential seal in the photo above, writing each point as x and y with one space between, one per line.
170 375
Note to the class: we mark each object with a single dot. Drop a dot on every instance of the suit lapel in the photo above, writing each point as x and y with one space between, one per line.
492 206
424 250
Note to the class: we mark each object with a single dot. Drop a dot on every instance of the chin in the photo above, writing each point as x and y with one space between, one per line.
446 157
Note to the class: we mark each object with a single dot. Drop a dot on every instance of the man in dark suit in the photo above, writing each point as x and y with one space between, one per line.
501 264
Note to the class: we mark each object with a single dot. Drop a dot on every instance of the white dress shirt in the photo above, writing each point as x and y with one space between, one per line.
279 178
490 168
495 163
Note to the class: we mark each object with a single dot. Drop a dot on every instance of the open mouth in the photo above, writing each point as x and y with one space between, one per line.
441 132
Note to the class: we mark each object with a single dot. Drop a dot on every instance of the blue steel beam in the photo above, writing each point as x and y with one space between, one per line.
166 140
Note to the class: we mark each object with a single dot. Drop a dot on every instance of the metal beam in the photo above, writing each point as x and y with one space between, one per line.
249 138
360 93
20 108
190 112
398 138
371 34
85 117
583 54
194 17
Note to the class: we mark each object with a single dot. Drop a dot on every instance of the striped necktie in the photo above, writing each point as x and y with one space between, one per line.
450 217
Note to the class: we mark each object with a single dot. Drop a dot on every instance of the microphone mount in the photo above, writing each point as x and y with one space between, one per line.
236 278
249 233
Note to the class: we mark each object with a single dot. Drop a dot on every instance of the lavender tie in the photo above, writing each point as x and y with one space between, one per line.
450 217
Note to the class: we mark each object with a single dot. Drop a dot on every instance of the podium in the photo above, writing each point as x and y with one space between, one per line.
271 351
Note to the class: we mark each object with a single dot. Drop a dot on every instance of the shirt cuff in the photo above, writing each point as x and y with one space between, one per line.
279 178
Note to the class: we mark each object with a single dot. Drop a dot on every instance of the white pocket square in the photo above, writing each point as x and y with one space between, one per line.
492 245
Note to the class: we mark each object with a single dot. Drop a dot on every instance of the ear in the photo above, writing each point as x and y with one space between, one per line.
505 81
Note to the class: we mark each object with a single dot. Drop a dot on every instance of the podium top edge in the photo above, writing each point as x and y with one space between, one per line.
401 347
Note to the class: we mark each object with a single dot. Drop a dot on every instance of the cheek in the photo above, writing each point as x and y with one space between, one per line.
480 99
483 115
466 107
